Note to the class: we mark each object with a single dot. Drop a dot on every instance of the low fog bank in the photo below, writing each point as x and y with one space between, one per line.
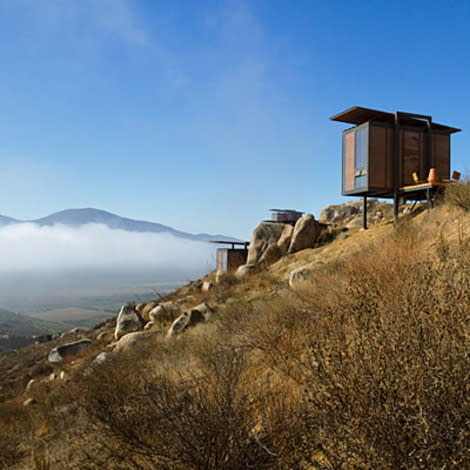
26 247
58 265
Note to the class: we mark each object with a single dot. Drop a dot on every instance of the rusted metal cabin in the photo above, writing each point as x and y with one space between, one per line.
386 154
229 259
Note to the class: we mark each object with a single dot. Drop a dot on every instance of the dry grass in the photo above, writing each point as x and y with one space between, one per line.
458 195
11 436
381 350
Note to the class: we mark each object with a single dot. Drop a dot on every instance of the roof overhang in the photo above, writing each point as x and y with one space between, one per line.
358 115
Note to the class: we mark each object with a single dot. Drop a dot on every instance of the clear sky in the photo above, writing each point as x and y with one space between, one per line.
202 115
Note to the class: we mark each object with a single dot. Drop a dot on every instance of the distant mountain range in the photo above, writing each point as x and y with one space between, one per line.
79 217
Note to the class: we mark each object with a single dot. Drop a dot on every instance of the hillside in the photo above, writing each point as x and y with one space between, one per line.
17 330
17 324
351 354
79 217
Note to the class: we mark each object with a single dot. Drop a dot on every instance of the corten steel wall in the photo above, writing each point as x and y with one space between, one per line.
381 157
236 258
413 157
441 154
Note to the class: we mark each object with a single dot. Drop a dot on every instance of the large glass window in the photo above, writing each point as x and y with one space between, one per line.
361 160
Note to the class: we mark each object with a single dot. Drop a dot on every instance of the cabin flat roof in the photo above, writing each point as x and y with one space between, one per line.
358 115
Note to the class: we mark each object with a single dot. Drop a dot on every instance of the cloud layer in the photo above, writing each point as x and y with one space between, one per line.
29 247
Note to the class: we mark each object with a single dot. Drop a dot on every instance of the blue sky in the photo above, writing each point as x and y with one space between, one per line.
203 115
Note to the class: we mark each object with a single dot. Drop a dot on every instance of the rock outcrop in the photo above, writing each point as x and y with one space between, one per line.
59 353
272 254
146 309
189 318
265 234
273 240
285 238
102 357
128 341
207 286
165 311
205 310
244 270
30 385
349 214
336 213
128 321
306 234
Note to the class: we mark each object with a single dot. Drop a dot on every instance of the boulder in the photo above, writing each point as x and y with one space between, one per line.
102 357
165 311
204 309
272 254
189 318
355 222
304 273
104 336
342 214
127 321
284 241
219 276
207 286
128 341
306 233
30 385
146 309
265 234
338 212
70 349
140 307
245 270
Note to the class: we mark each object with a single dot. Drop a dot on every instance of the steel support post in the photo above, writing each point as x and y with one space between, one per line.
364 213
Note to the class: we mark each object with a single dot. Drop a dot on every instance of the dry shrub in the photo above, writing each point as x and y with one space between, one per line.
13 423
42 368
382 353
191 416
458 195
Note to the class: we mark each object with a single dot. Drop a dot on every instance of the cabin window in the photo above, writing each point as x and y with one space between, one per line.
361 157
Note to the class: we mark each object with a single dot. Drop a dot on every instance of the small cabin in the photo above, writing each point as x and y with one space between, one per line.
286 216
386 152
229 259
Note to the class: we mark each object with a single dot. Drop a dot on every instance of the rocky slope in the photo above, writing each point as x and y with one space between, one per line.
171 331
